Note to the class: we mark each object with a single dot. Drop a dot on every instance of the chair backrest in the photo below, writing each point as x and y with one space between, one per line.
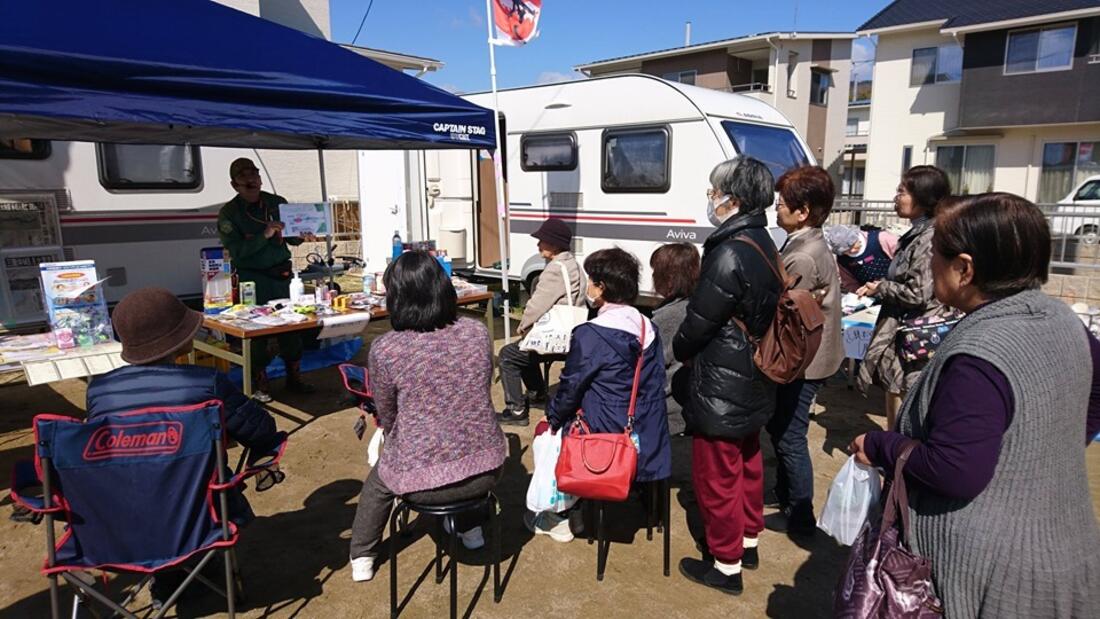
135 486
357 384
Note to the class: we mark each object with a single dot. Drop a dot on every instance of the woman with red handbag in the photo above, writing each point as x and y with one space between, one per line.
611 393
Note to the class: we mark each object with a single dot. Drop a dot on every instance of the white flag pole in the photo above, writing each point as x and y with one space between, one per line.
498 176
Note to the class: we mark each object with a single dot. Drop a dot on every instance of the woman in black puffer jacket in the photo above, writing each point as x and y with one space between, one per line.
731 399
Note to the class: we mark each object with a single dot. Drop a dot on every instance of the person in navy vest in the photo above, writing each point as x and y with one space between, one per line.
599 375
862 255
155 328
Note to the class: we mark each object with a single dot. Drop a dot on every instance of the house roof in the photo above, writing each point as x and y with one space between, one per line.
396 60
709 45
960 14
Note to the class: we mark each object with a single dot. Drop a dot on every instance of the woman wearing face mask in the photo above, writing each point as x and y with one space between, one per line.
730 398
599 375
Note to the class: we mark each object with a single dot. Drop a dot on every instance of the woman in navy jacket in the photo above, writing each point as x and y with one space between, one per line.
599 370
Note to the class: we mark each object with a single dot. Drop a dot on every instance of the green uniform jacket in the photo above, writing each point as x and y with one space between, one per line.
241 230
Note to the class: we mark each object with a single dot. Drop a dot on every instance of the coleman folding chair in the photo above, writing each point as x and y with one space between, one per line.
139 492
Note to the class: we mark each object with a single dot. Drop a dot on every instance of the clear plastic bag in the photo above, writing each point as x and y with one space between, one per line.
543 494
854 493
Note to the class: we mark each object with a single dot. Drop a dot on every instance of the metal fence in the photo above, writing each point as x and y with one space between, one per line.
1075 230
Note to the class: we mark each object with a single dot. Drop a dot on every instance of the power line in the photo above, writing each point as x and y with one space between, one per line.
361 22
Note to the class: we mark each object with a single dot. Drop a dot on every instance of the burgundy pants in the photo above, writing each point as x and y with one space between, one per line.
728 476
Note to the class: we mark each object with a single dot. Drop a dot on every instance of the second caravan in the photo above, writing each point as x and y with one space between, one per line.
624 160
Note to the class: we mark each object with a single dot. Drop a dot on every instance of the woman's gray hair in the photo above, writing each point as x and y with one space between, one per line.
746 180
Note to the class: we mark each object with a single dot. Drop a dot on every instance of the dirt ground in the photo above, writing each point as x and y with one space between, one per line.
294 556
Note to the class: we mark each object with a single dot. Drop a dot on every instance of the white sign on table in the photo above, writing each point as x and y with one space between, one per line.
857 330
306 218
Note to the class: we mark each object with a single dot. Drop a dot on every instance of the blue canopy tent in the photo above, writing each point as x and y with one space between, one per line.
196 72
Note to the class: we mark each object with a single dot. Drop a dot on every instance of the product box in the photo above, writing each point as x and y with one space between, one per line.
75 303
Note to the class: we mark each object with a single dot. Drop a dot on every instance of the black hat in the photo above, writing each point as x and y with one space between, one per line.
241 165
555 232
152 323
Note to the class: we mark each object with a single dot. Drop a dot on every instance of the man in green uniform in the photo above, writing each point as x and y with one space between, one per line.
250 230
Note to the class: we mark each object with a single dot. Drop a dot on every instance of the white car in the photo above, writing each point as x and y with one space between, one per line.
1078 214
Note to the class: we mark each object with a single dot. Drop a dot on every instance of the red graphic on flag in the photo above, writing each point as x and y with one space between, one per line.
516 20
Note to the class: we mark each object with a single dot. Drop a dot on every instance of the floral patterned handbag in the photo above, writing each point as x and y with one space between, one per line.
918 338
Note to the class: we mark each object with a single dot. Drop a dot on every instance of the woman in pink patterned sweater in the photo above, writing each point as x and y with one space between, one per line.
430 377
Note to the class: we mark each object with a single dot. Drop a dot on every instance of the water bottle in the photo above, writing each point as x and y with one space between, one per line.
398 246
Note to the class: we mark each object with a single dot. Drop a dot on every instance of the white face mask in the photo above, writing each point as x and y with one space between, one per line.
591 301
712 211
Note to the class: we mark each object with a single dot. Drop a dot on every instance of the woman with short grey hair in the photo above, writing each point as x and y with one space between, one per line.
731 400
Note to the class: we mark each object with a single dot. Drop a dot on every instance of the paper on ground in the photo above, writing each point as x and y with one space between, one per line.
343 324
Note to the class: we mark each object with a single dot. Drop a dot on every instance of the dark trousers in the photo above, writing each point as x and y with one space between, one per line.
290 349
376 503
794 471
728 478
519 369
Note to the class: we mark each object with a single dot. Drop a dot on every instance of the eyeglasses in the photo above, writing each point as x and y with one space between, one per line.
712 193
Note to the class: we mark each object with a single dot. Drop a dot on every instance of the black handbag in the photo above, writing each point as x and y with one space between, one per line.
918 338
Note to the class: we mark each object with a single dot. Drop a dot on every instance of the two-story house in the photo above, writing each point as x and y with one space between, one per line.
804 75
1003 96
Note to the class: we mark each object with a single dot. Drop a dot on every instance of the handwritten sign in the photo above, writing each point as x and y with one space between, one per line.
856 340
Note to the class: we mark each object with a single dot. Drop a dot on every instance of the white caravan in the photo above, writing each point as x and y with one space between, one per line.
623 159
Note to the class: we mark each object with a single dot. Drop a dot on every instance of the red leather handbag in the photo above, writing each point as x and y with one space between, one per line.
600 466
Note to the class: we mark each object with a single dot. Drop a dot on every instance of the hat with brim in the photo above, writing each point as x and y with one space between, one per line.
555 232
152 324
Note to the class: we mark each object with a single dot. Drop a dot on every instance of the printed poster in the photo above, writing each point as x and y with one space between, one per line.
304 218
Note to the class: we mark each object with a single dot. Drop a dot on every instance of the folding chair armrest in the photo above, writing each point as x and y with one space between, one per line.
261 464
24 480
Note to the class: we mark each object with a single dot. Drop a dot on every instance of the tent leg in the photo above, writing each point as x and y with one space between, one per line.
324 198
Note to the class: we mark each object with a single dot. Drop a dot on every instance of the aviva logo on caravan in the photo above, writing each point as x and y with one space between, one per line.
135 439
680 235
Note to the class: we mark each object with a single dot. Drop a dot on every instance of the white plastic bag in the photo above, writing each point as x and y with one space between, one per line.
854 493
552 332
374 448
543 494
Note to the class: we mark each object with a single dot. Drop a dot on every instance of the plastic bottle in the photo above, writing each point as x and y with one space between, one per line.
447 267
297 288
398 246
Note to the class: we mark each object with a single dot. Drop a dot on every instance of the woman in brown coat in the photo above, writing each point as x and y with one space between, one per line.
805 199
906 292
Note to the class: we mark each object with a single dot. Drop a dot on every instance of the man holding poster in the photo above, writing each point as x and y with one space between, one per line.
250 229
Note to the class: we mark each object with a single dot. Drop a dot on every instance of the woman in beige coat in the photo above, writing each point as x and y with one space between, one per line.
906 292
805 200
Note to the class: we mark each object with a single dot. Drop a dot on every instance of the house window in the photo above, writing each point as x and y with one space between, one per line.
636 160
847 186
852 128
24 148
1065 166
820 81
548 152
1040 49
684 77
936 65
149 166
906 158
792 66
969 168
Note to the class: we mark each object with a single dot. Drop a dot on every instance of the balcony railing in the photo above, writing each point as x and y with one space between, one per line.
750 87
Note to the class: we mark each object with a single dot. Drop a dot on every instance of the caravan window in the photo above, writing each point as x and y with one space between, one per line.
149 166
777 148
548 152
636 160
24 148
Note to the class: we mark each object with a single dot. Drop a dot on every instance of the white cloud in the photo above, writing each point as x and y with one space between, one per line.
554 77
476 18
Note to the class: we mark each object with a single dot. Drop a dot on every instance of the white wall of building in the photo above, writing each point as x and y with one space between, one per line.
841 63
905 115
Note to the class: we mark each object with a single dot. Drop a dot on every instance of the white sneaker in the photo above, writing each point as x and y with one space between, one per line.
261 397
548 523
362 569
472 539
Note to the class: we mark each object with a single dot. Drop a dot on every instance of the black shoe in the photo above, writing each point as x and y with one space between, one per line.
708 575
801 521
536 397
751 559
576 522
509 417
772 500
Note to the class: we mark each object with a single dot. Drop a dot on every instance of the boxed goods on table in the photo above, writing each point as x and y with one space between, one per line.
75 303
